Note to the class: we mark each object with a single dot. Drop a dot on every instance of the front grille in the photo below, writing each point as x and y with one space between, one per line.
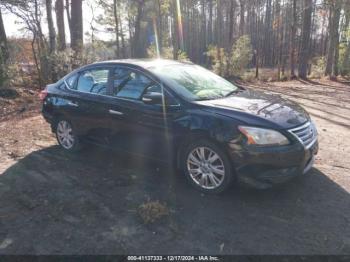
306 134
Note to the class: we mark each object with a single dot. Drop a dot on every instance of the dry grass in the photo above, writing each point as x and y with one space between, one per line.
152 211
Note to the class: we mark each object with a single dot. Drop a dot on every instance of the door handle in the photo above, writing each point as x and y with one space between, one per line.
72 104
115 112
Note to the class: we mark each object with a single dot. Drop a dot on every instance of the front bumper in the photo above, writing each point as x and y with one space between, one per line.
265 167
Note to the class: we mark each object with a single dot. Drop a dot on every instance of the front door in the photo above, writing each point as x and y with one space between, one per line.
156 123
139 128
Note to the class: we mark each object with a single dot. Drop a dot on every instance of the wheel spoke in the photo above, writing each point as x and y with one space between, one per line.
202 152
213 157
195 172
199 154
64 141
60 128
206 181
212 180
202 181
218 170
70 139
214 177
194 160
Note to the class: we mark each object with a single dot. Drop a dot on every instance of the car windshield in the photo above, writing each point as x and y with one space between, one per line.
194 82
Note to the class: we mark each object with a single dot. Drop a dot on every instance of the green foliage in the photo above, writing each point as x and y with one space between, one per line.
3 75
62 61
219 59
21 75
318 65
182 55
167 53
164 7
152 52
241 55
344 58
232 64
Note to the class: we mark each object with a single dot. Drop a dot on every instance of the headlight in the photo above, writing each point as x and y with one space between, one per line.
261 136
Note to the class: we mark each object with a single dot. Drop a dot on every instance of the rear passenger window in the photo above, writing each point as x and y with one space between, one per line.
71 81
129 84
93 81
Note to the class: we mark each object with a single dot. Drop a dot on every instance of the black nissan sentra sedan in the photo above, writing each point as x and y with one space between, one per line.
214 131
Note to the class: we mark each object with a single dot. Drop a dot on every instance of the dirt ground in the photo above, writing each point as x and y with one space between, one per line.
95 202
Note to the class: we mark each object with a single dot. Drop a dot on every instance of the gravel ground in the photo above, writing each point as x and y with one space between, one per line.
52 202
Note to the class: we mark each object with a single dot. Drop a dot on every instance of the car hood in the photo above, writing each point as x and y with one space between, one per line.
283 112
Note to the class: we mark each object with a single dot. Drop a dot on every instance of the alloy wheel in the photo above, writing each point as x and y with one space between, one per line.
206 168
65 134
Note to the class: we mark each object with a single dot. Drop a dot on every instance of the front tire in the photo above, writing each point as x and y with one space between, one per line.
207 167
66 136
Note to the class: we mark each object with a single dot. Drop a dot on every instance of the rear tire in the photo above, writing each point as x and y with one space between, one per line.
66 136
207 167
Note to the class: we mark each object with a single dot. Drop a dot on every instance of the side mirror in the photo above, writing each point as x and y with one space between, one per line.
152 98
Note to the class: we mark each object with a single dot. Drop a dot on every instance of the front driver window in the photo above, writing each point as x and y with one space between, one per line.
93 81
155 88
129 84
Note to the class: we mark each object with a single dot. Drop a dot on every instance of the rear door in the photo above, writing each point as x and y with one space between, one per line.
89 102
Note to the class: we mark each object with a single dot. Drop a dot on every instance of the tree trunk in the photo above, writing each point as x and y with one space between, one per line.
123 51
116 27
136 45
68 15
61 37
219 35
41 44
37 66
336 40
210 23
232 21
305 42
203 34
52 40
333 39
279 38
3 41
267 55
241 23
131 37
77 30
160 26
52 33
346 62
322 45
4 55
292 40
257 64
175 32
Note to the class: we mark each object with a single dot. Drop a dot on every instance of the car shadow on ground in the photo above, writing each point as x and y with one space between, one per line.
52 202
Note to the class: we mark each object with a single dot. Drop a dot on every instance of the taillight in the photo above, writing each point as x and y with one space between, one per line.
43 94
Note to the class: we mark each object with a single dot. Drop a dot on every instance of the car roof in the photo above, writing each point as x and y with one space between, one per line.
144 63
